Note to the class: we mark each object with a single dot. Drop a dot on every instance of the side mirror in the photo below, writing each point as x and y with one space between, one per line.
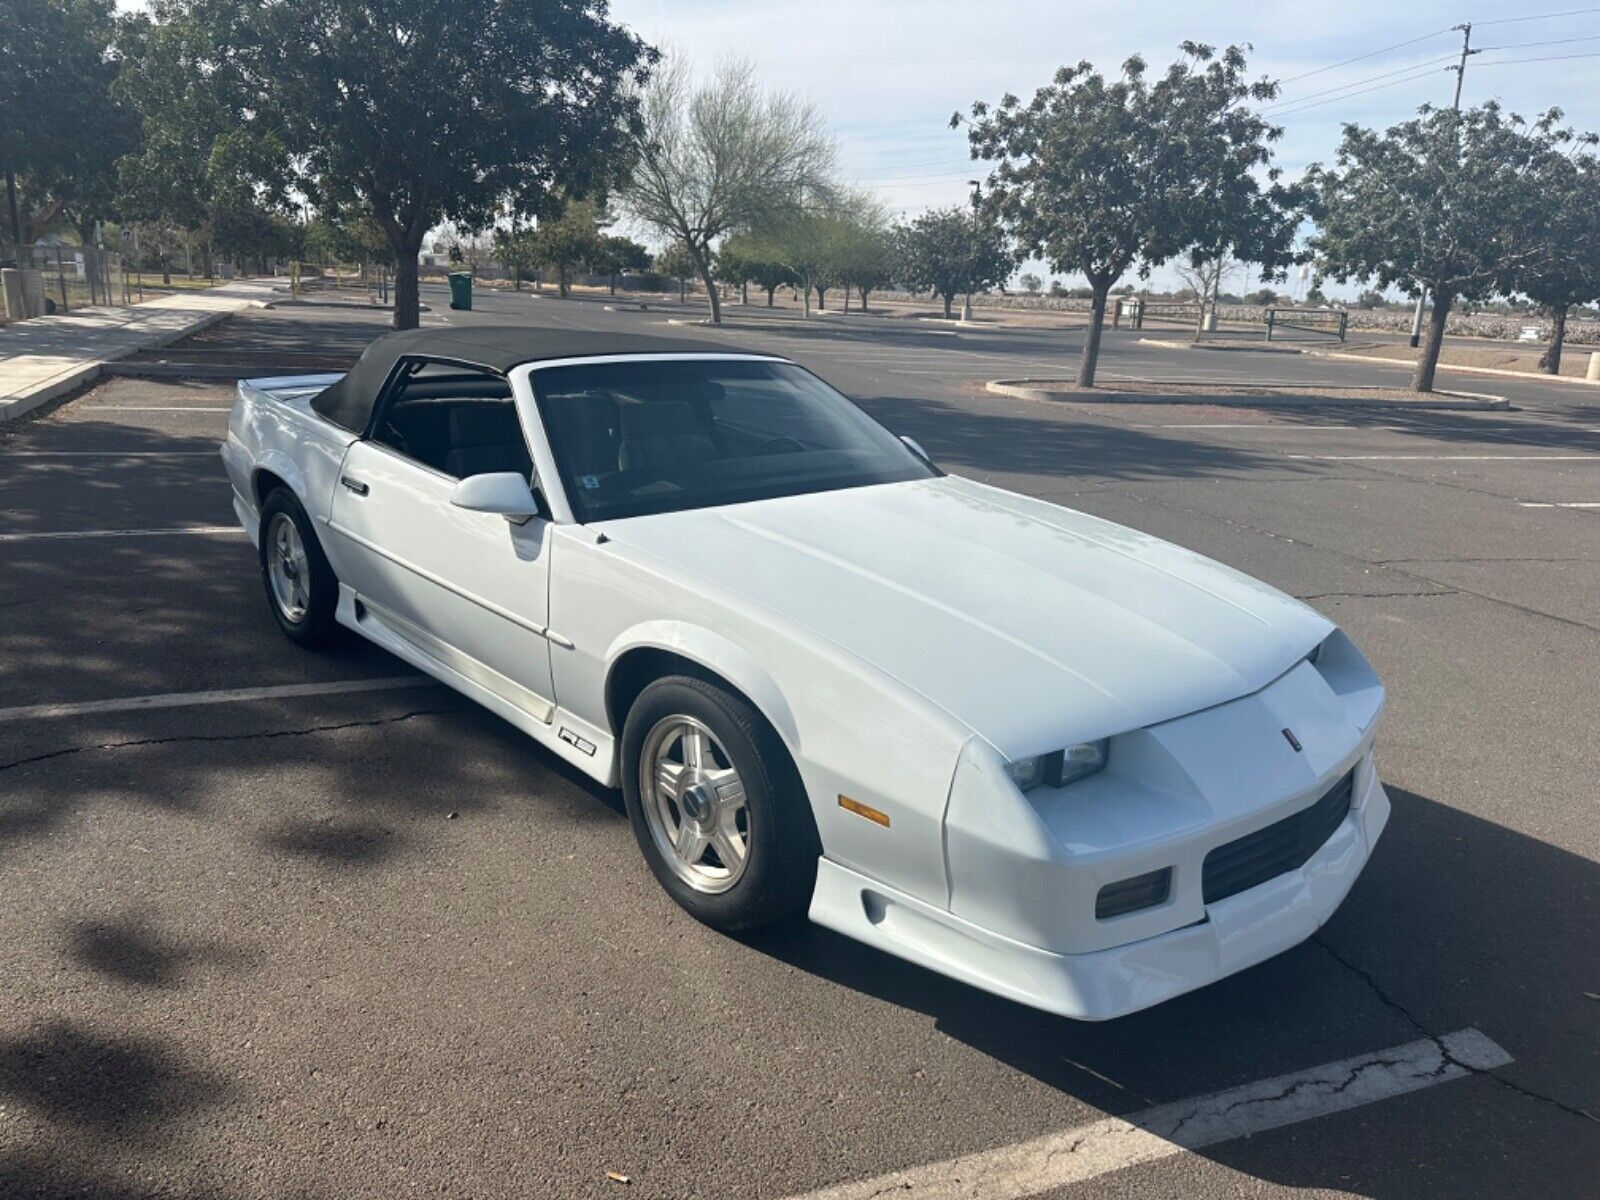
916 448
503 492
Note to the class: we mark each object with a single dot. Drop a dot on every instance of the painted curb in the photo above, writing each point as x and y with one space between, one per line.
1401 362
1036 389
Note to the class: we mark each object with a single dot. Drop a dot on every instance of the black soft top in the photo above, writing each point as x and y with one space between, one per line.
496 348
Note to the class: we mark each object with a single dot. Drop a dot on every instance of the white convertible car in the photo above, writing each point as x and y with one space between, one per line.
1050 756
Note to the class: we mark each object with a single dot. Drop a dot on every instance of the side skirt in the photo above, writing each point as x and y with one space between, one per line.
535 716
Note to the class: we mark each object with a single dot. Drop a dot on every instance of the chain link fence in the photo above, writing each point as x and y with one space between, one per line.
48 277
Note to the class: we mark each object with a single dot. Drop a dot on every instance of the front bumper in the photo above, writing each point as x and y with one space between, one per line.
1233 934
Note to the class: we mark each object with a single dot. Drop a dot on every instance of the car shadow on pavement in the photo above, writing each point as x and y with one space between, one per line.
1457 923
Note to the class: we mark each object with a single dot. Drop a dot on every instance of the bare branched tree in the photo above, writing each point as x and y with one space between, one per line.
1204 277
723 157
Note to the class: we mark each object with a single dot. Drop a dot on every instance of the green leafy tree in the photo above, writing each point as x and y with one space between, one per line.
61 127
675 262
753 258
618 255
570 241
1096 175
1031 284
1557 264
721 158
425 113
1436 200
868 255
950 251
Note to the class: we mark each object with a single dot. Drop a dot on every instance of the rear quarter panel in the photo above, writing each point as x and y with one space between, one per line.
273 430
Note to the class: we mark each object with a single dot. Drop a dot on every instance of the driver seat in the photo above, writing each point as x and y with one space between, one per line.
662 435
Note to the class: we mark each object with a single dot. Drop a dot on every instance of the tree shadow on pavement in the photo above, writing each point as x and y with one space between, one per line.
1057 442
1457 923
129 949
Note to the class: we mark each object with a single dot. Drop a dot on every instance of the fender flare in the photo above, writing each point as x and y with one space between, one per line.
716 654
276 462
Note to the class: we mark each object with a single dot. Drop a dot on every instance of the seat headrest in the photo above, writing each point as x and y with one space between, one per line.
658 418
484 425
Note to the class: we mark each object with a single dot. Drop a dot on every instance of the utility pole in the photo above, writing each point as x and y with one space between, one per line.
1461 73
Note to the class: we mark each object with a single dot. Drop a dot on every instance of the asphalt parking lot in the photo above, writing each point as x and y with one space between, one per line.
334 932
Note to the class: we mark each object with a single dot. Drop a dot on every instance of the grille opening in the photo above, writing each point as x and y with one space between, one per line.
1130 895
1281 847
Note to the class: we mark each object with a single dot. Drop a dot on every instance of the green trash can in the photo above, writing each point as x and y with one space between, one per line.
461 290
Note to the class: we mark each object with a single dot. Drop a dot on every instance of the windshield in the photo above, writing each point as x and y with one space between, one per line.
639 437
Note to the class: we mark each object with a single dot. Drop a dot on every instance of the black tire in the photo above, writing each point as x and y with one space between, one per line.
313 625
781 868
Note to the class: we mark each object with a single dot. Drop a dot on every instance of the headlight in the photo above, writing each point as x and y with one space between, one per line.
1059 767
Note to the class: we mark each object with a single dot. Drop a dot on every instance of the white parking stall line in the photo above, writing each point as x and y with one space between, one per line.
75 534
1594 458
1089 1151
293 691
1558 503
108 454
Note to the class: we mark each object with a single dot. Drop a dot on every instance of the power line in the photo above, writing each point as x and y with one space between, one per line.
1422 74
1571 12
1363 57
1505 62
1549 42
1358 82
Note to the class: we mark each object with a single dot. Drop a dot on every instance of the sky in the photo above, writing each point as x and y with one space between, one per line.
888 74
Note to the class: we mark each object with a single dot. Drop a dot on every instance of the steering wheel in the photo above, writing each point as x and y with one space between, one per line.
781 445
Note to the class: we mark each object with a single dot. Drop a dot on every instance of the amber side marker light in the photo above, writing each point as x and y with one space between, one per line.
864 810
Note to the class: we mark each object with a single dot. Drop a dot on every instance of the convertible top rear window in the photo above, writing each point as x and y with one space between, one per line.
632 438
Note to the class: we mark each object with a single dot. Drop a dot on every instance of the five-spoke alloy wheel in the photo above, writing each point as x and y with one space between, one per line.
716 804
300 583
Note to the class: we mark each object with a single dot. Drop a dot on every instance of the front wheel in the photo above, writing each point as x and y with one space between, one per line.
716 805
300 583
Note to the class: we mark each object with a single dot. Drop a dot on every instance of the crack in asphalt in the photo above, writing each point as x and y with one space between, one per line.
1447 1059
305 731
1389 564
1376 595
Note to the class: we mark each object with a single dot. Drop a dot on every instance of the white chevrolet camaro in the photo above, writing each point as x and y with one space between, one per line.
1056 758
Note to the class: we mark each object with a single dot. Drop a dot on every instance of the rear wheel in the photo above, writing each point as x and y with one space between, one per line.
300 584
716 805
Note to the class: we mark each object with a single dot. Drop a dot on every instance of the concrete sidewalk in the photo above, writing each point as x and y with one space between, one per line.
48 356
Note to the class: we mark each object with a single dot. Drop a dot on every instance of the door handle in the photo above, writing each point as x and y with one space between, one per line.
355 485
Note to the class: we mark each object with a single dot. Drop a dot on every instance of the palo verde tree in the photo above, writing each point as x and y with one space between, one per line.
1097 176
422 113
949 251
716 159
1435 201
1557 263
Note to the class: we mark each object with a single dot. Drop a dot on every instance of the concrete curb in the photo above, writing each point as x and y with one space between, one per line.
797 325
1263 348
1444 366
81 375
120 343
1038 390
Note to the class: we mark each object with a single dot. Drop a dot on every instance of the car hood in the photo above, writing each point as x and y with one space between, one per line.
1034 625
